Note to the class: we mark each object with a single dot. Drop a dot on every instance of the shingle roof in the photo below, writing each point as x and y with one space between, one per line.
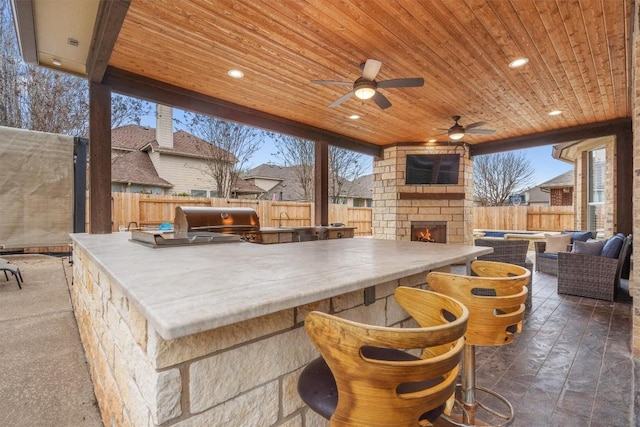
291 189
136 167
362 187
242 186
187 144
267 170
564 180
289 184
132 137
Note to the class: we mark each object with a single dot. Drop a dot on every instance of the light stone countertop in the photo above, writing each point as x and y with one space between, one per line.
188 289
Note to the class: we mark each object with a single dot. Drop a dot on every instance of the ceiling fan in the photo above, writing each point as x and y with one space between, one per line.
457 131
366 87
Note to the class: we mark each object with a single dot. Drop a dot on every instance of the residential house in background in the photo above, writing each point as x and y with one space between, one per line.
160 161
277 182
360 192
536 197
282 183
557 191
560 189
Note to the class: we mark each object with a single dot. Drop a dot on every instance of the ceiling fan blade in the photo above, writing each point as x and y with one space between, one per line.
410 82
340 100
371 69
481 131
381 100
331 82
475 125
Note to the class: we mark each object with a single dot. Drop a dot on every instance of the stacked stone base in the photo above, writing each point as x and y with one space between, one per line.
243 374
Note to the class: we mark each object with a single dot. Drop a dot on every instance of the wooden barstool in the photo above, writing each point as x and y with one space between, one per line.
495 299
367 378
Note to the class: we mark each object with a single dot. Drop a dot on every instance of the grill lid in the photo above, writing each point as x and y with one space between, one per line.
221 220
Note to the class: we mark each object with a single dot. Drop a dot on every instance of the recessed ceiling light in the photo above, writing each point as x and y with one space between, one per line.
56 62
354 117
555 112
518 62
236 74
433 140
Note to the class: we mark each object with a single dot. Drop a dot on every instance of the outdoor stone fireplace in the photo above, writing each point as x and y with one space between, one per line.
398 205
429 231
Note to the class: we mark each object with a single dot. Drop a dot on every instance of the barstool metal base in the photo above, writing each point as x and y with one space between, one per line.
479 413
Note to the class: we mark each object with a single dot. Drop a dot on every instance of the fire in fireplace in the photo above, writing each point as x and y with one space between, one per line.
429 231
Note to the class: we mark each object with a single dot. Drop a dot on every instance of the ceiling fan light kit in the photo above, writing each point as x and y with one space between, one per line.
366 87
456 134
457 131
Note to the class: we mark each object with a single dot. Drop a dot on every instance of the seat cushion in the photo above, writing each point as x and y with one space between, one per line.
317 385
548 255
590 247
612 246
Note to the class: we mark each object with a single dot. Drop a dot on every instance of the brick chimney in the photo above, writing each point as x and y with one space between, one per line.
164 126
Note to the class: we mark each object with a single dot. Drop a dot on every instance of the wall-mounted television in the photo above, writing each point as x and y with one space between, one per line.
432 168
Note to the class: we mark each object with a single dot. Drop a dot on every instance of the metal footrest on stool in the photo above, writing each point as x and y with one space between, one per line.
478 413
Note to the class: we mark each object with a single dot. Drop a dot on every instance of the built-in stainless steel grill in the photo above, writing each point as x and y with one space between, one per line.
219 220
197 225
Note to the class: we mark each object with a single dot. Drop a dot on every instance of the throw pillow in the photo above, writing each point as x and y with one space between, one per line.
557 243
590 247
580 236
612 247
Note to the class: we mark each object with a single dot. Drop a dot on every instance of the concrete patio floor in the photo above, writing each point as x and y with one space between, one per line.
44 379
571 366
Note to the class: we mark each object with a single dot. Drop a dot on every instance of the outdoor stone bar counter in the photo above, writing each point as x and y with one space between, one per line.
212 335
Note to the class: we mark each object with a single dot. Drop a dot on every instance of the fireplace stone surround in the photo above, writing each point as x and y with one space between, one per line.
396 205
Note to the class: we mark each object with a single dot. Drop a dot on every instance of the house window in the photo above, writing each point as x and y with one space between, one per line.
213 193
198 193
595 191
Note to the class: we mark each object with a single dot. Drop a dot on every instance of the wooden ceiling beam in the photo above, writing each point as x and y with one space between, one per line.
557 136
111 15
156 91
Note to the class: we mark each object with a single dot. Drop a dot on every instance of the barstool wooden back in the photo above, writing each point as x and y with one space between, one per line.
379 381
495 299
496 302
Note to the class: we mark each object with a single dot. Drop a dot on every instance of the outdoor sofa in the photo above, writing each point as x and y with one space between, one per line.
546 253
594 269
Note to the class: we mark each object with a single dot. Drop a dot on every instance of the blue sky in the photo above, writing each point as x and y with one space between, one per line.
545 166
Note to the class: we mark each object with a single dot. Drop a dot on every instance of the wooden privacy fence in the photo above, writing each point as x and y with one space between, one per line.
143 210
530 218
140 210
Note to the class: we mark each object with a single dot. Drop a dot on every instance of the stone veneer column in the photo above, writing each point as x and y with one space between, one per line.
392 215
635 78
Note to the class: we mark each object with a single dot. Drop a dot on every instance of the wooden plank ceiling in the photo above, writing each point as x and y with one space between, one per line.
577 51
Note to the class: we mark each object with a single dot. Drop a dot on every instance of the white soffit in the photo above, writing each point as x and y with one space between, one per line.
58 21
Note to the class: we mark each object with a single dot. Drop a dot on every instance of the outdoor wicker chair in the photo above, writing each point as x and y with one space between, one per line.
548 262
510 252
593 276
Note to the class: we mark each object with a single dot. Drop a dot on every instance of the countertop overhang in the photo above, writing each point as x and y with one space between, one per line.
189 289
